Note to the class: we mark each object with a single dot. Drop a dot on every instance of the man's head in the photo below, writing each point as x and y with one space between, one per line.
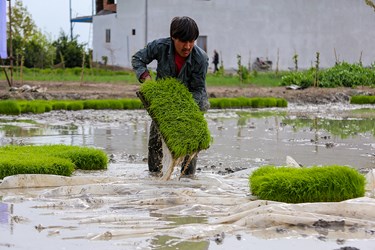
184 31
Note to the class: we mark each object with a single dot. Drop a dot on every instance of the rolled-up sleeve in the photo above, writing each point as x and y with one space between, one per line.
141 59
198 84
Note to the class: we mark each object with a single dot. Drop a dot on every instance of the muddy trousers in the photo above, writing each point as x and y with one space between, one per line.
155 153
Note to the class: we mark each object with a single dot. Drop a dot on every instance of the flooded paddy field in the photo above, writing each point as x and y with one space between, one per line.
125 207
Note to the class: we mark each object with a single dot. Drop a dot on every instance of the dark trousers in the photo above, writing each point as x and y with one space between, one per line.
155 153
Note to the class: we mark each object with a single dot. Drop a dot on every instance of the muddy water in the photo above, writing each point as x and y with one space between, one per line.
126 208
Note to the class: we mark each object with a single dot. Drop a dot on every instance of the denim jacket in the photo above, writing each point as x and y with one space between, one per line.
192 74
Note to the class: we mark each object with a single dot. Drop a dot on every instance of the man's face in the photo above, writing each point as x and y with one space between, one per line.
183 48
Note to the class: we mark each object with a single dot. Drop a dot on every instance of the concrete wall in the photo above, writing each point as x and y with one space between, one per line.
250 28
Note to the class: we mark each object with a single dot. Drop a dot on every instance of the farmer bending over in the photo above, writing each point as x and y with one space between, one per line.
177 56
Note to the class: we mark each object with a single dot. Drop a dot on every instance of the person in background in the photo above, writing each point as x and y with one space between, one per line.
215 61
177 56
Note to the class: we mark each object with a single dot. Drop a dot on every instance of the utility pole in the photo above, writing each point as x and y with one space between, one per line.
146 21
10 43
70 19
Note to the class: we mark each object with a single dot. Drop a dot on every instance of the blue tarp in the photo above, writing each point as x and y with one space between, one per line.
3 29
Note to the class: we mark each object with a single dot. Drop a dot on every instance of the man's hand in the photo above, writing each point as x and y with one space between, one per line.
145 77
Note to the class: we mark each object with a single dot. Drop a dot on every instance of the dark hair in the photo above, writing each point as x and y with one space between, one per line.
184 29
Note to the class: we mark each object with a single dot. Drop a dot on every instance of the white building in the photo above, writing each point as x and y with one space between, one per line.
275 29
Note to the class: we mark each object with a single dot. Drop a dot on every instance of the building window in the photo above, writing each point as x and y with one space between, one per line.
107 35
133 32
202 42
110 1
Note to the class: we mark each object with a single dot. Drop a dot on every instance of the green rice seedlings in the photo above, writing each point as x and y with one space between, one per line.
59 105
74 105
314 184
10 107
35 107
361 99
244 102
49 159
179 119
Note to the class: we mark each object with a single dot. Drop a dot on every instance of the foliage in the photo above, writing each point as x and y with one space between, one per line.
341 75
370 3
49 159
68 52
303 79
347 75
314 184
180 122
242 72
30 47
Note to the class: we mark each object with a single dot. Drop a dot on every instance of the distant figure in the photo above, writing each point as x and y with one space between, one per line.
215 60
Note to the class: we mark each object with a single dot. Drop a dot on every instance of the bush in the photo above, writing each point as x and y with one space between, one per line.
315 184
347 75
303 79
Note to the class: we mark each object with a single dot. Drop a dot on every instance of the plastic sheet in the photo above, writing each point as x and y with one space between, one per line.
126 209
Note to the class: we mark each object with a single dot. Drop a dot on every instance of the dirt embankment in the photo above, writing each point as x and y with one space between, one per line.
74 90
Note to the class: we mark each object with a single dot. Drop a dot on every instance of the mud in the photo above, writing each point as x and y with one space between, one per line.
125 207
76 90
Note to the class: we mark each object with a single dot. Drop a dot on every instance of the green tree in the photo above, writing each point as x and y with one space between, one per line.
370 3
30 47
68 52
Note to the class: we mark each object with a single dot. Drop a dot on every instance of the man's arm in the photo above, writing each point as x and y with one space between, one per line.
140 60
198 85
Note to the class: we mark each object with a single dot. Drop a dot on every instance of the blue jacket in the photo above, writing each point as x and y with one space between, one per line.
192 74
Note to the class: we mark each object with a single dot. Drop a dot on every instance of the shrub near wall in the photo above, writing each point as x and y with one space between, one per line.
315 184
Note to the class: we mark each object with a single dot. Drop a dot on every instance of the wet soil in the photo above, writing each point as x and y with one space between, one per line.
76 90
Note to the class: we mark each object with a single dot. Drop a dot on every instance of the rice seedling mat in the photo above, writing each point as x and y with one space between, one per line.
182 125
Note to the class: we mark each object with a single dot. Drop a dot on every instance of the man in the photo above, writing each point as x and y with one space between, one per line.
177 56
215 61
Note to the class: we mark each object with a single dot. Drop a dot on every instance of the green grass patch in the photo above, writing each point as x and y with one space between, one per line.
314 184
178 117
362 99
49 159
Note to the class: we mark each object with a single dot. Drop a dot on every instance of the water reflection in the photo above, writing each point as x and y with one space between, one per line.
4 214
